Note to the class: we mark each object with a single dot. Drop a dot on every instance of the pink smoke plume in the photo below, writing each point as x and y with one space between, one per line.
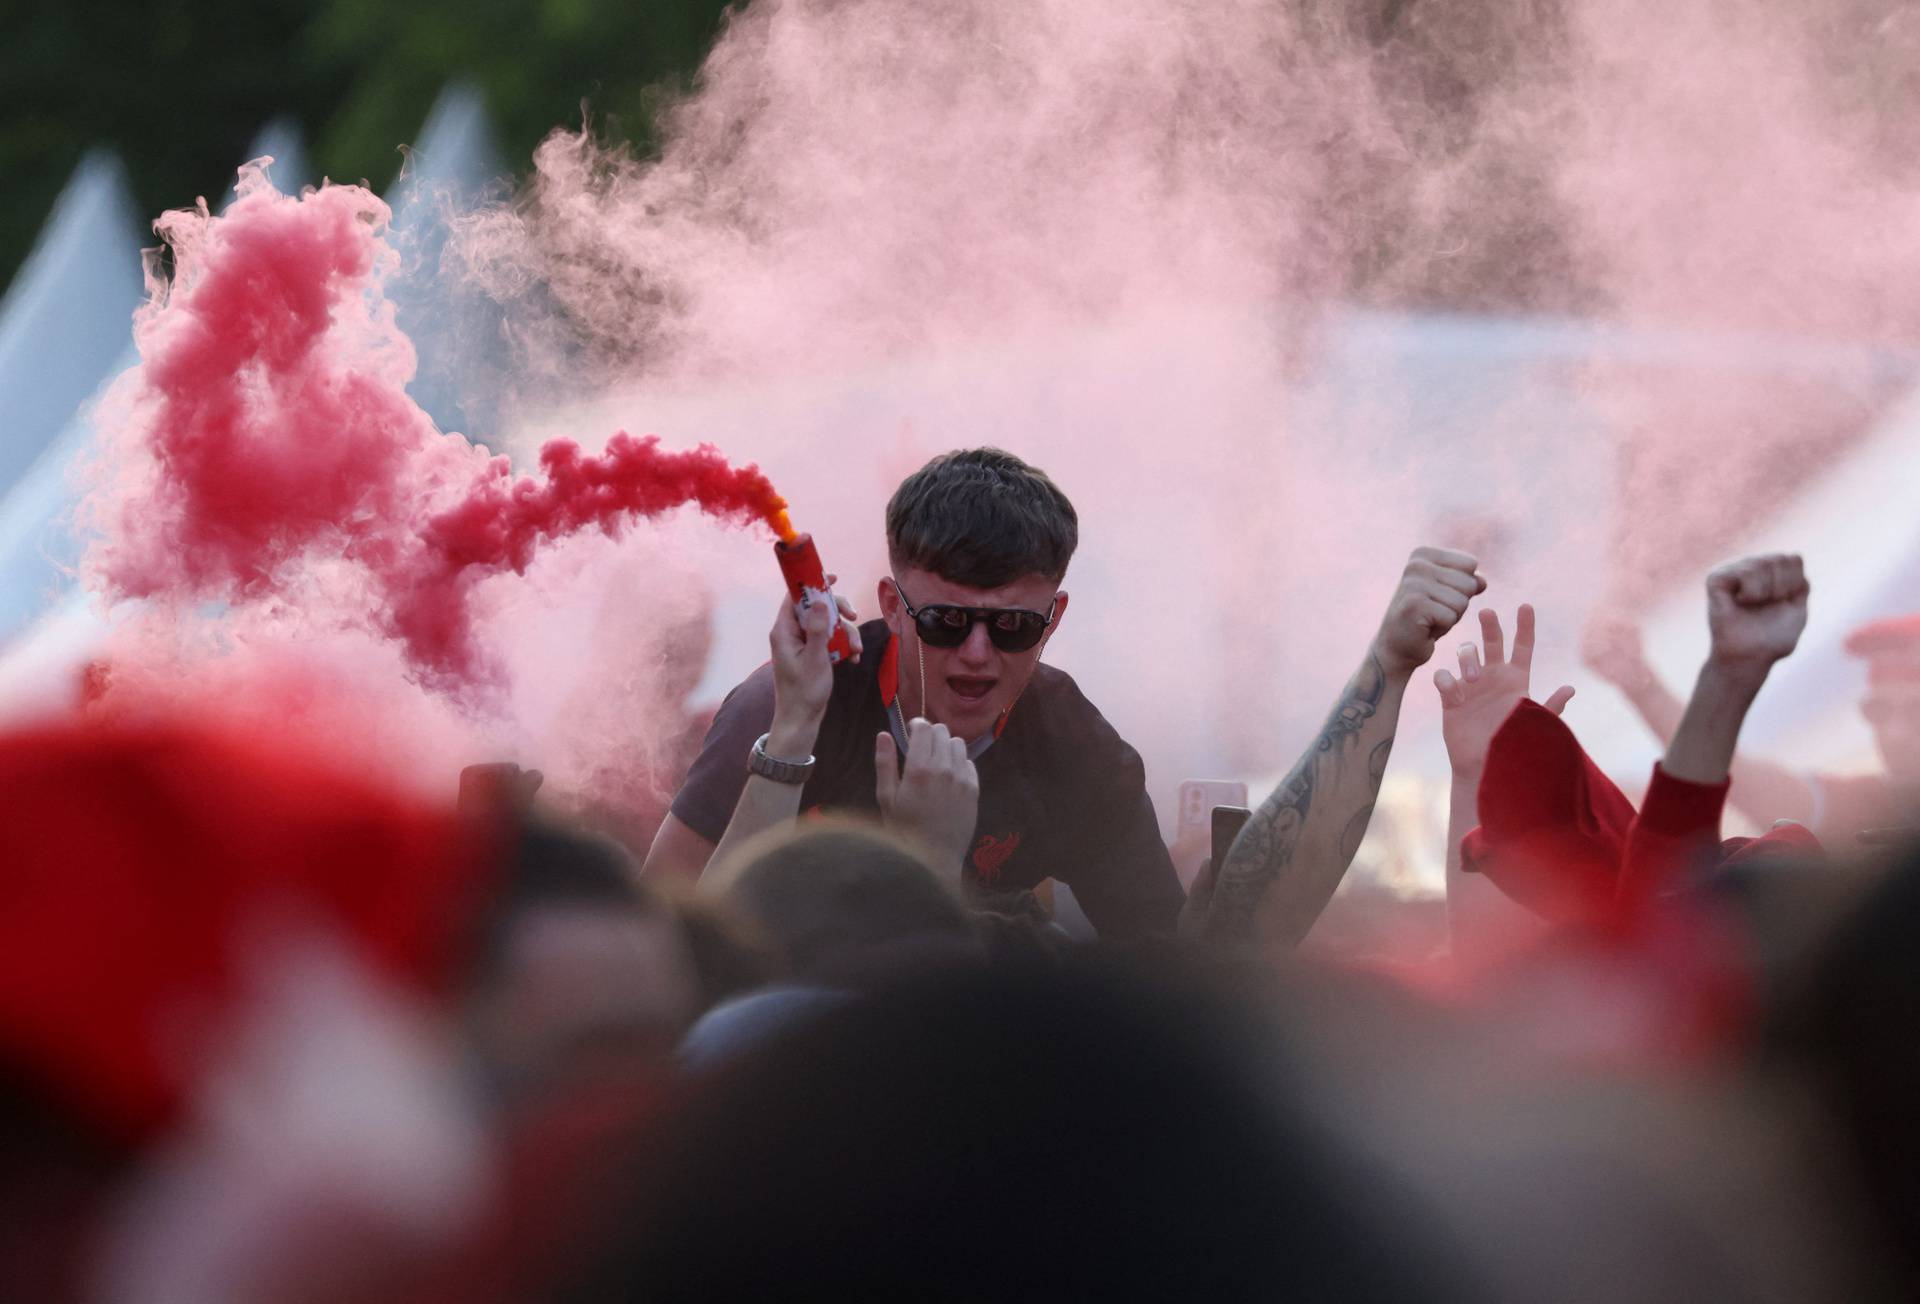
268 435
1075 226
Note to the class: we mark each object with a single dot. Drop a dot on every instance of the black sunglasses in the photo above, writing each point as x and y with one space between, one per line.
1011 629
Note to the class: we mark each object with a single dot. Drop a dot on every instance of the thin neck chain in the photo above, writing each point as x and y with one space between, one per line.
896 716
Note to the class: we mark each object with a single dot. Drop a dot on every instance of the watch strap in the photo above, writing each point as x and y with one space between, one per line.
772 767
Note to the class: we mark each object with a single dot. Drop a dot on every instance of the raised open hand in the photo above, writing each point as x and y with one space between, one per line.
1756 609
1490 684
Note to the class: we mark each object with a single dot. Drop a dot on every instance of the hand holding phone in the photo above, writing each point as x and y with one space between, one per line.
1227 823
1193 821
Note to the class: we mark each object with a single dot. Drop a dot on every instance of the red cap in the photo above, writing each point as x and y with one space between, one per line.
137 861
1896 636
1891 648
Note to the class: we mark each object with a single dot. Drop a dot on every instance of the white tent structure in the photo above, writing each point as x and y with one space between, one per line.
37 545
64 330
447 170
64 319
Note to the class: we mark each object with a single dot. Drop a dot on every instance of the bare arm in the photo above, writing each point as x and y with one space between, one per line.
1702 747
1762 790
1473 707
1288 860
802 686
1756 609
1480 917
677 852
764 803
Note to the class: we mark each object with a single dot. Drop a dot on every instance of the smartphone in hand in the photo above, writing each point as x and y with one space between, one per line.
1227 823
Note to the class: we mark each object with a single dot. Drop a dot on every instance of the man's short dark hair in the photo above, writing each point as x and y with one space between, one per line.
983 518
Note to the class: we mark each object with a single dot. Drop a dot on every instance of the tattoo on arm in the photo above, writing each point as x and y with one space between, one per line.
1266 846
1356 830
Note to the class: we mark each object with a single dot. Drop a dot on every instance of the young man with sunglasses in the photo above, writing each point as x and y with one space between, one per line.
1010 772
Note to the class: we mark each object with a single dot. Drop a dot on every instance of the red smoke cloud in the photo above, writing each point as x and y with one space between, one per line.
267 436
500 521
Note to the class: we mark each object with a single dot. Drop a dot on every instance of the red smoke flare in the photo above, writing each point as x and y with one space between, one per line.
501 521
265 449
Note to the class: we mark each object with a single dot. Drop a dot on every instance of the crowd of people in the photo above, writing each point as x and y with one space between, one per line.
269 1032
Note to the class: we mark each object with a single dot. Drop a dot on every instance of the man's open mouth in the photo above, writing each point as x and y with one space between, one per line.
970 688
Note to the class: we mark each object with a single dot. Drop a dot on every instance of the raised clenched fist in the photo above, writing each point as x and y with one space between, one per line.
1756 610
802 672
1433 595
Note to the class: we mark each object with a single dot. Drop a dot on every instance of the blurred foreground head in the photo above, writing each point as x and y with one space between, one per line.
246 1001
578 970
1851 1027
842 901
1081 1133
203 935
147 866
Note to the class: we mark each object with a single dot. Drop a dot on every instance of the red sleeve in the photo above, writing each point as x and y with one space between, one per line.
1552 825
1678 826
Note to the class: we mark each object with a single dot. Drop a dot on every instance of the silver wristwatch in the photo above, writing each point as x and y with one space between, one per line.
770 767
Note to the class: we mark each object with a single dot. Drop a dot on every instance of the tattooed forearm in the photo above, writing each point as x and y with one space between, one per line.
1302 838
1265 846
1356 830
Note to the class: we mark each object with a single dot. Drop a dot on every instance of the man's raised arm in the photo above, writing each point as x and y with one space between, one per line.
1473 705
802 684
1283 868
1763 789
1756 612
801 681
